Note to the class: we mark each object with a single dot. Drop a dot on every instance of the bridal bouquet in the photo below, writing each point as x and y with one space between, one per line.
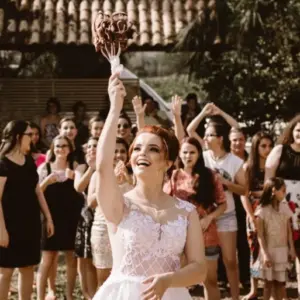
111 34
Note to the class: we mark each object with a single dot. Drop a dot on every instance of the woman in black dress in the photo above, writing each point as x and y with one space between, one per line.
21 201
65 204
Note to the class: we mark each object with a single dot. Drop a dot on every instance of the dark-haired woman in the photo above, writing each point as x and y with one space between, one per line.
124 127
68 128
38 148
261 147
195 183
50 122
65 204
21 201
210 111
230 171
284 161
238 137
80 117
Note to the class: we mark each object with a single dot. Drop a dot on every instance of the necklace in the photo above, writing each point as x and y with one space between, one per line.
215 158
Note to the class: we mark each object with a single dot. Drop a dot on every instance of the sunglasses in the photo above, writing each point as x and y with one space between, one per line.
125 126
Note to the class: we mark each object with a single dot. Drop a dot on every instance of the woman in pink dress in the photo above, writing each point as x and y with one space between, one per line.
148 229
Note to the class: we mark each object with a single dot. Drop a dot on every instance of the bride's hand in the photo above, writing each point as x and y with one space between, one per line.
158 286
116 92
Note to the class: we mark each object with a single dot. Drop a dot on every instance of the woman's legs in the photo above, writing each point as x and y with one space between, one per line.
279 290
52 280
91 277
5 279
102 275
48 259
71 262
25 282
82 272
253 289
228 246
298 270
211 289
267 290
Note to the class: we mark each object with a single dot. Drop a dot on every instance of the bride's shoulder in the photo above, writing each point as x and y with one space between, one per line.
182 204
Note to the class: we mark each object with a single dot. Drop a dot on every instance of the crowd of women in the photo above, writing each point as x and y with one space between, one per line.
145 214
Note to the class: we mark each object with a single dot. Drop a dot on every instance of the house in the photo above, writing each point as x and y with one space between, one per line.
63 28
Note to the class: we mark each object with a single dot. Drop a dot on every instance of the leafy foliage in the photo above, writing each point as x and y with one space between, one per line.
257 78
168 86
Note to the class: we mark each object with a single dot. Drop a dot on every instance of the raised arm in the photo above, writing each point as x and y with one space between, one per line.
176 110
229 119
139 110
82 177
108 194
192 128
272 162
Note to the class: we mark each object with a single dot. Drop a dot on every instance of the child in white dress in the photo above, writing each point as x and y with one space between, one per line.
275 237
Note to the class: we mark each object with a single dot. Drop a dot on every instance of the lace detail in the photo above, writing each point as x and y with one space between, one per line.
185 205
144 246
42 172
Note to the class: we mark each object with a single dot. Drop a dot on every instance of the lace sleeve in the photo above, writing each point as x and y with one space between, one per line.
42 171
189 207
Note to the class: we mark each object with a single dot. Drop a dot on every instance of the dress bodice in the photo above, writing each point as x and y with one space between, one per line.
146 243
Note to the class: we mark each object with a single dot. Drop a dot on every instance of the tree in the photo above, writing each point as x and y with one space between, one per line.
256 77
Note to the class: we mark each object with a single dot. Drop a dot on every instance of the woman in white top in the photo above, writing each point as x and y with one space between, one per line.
148 229
231 173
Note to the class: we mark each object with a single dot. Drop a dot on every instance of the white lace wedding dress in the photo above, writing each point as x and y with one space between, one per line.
145 243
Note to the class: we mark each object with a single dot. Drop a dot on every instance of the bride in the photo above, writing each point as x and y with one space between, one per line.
148 229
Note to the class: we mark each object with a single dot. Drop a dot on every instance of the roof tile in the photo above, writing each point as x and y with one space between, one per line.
157 22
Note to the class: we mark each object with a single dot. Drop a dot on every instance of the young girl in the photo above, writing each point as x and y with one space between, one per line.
274 237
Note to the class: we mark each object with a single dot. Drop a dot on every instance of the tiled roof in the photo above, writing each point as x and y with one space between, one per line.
51 22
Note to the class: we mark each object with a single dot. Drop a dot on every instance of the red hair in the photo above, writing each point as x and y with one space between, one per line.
169 141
